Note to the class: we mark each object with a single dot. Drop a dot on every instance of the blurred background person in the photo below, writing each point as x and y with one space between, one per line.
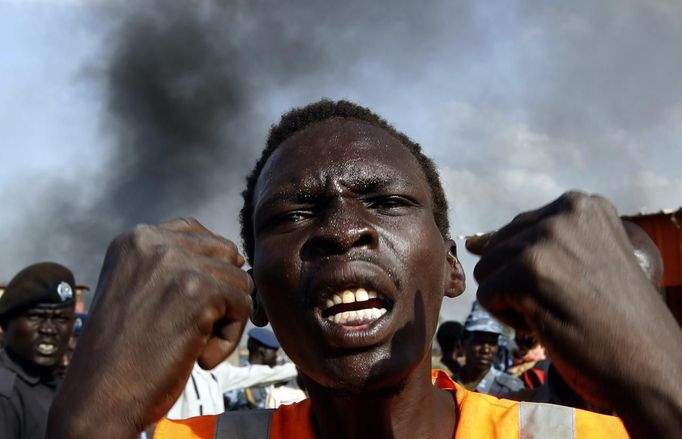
263 347
480 341
449 338
36 315
205 389
78 322
529 361
286 393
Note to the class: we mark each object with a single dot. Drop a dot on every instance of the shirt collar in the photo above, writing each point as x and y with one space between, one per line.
31 379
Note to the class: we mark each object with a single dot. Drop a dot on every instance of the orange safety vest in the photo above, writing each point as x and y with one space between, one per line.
479 416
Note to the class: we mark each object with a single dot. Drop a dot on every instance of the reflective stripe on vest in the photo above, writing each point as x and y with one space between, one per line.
538 421
480 416
244 424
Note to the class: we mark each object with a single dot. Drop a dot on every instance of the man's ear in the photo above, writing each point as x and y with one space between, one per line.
258 315
454 282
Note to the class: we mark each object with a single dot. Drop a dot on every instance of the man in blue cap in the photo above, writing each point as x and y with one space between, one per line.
36 315
263 346
210 392
481 337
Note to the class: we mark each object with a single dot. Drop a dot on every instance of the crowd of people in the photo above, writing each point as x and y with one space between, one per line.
345 229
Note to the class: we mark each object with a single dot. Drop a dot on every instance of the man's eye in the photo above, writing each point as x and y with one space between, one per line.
388 203
292 217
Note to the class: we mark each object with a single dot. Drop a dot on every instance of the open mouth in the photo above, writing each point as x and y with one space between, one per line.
355 307
46 348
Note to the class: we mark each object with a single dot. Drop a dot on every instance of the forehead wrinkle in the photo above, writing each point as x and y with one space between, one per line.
356 143
337 179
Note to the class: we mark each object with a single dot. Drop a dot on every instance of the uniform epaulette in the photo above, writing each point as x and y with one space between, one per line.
7 379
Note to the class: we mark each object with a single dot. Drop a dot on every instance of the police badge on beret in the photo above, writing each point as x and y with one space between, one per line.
65 292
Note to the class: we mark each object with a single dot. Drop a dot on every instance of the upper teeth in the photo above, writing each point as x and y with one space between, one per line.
350 296
46 347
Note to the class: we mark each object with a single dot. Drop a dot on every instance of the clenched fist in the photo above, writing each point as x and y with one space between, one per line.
168 295
567 272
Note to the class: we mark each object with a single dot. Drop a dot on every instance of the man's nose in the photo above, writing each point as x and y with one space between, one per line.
486 347
47 326
343 227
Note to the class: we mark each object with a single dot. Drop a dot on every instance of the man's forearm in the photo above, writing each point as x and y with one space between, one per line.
65 423
653 408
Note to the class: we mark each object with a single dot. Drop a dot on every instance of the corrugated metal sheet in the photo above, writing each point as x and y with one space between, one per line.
665 228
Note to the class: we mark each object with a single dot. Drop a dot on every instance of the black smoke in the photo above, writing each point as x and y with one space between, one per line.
187 87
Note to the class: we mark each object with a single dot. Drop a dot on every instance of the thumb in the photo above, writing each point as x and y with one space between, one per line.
478 244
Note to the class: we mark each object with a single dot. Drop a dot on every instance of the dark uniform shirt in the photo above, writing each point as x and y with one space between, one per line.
24 401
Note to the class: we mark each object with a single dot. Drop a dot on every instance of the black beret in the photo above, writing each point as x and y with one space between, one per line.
45 283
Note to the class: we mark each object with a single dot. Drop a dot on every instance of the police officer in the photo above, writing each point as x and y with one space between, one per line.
481 343
36 315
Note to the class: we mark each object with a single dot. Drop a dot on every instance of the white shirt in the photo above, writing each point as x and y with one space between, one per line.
203 394
284 395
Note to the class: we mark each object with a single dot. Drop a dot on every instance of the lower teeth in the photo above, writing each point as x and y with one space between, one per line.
357 317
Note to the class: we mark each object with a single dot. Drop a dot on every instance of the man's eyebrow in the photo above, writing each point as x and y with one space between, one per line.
286 196
361 185
371 184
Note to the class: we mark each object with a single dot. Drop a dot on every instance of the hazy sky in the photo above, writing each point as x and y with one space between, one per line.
517 101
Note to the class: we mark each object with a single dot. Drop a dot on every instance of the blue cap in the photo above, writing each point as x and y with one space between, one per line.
264 337
481 320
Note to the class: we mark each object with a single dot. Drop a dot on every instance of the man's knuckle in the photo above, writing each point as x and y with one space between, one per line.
189 284
239 280
231 247
247 281
163 254
120 241
141 235
603 204
242 305
530 259
573 199
191 221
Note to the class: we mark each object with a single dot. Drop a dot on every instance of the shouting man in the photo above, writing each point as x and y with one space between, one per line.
345 225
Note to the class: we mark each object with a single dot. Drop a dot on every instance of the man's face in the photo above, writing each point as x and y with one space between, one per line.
480 349
66 358
268 356
348 260
40 336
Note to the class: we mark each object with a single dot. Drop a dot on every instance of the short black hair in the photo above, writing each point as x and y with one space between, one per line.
301 118
448 335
